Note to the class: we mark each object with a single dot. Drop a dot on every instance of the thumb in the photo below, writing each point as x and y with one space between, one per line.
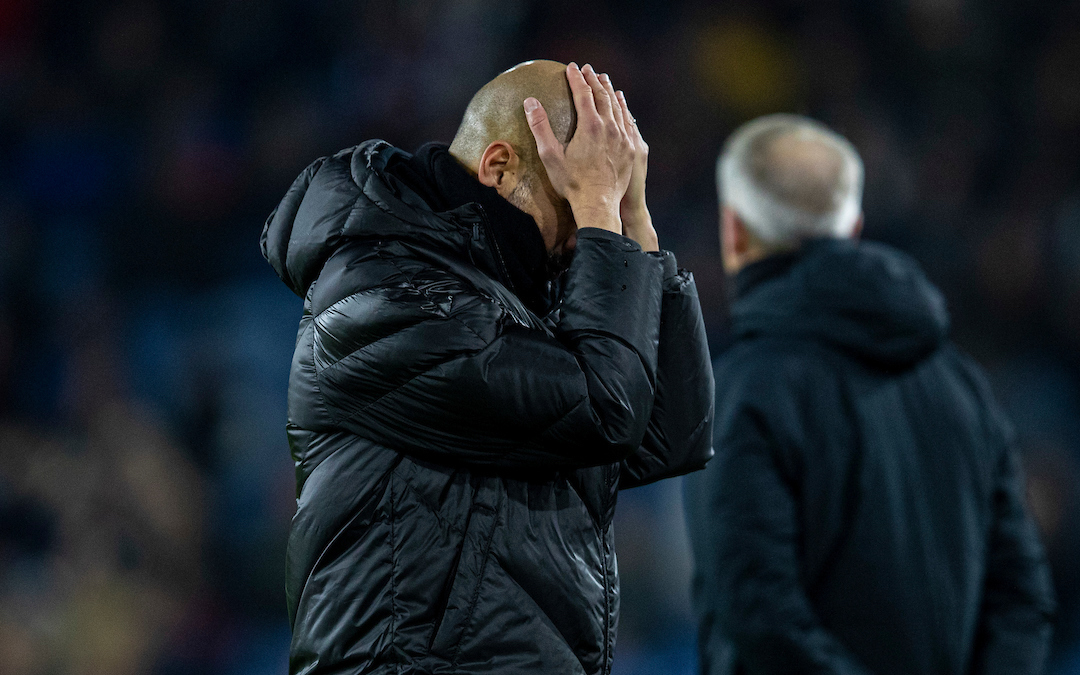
547 146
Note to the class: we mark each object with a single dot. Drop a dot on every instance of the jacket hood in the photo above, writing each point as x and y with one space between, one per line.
355 193
867 299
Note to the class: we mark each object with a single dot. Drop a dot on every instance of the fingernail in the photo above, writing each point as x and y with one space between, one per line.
574 66
588 67
531 104
605 78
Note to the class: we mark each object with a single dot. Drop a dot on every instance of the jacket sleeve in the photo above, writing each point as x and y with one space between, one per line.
744 532
1018 604
678 439
511 398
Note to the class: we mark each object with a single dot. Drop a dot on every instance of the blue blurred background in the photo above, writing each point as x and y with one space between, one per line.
145 482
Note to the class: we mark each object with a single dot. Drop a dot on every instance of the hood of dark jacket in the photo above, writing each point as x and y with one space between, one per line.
867 299
427 199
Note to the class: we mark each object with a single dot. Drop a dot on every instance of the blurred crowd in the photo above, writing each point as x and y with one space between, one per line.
145 482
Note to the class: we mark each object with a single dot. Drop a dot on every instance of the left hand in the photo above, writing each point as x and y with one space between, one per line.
634 212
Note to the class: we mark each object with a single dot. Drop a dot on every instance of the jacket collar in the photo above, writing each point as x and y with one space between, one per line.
757 273
867 299
444 205
521 256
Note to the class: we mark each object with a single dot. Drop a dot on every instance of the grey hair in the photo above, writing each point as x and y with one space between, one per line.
791 178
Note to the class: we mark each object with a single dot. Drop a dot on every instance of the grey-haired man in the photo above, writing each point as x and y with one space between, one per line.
864 512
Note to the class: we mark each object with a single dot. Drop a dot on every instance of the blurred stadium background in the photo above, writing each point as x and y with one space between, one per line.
145 484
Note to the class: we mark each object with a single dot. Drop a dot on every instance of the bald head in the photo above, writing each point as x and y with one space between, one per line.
495 113
791 178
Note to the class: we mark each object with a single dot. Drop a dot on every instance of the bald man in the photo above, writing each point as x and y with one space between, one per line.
492 346
864 513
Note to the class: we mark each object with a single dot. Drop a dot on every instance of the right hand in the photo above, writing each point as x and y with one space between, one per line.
594 170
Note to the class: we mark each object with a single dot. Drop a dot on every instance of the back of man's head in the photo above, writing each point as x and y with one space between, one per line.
495 112
790 178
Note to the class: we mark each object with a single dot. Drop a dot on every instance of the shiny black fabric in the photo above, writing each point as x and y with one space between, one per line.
864 512
457 454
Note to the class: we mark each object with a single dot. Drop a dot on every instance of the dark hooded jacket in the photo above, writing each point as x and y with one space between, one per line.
864 512
460 427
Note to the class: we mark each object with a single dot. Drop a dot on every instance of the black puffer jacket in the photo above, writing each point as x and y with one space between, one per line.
457 456
864 512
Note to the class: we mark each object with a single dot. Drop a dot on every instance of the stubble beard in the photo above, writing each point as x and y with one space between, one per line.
557 261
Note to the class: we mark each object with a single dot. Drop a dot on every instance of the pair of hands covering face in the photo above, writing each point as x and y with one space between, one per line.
601 172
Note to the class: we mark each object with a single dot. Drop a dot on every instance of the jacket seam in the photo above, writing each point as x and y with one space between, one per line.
652 375
560 418
605 666
315 324
350 296
315 369
415 287
609 638
412 285
393 566
335 364
479 584
540 610
434 512
345 526
666 466
406 383
366 291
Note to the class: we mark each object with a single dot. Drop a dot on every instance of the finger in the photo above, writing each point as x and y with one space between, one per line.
582 92
547 146
628 119
616 108
600 95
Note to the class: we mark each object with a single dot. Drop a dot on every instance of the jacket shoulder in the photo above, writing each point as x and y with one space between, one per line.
792 392
369 292
766 367
977 383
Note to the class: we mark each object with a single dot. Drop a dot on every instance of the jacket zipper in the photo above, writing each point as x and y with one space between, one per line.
608 656
499 261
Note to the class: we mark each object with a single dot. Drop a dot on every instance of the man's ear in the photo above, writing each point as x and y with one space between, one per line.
499 166
734 239
856 232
